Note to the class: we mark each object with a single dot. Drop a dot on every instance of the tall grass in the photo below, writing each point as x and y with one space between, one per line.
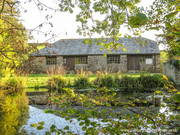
82 79
56 70
56 83
104 81
82 82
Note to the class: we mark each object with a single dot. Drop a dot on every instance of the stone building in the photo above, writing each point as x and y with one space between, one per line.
141 54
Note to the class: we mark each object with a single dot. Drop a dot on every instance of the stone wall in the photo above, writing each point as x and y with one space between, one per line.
38 98
38 64
158 64
99 63
122 67
147 68
80 67
153 68
171 71
95 63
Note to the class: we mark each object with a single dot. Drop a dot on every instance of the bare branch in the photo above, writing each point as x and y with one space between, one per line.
7 56
2 8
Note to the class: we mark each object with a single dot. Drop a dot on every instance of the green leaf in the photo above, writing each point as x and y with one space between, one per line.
81 123
66 128
171 14
104 55
138 20
52 128
84 128
41 123
49 111
176 98
66 9
168 25
137 50
34 125
158 91
85 41
39 127
93 123
64 115
48 133
70 10
90 41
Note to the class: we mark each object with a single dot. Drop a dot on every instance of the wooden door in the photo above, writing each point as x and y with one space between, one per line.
69 63
133 62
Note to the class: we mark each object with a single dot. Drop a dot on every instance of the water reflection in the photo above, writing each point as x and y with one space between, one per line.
13 113
37 115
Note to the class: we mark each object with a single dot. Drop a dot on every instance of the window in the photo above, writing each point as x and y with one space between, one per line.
81 60
146 60
113 59
51 60
64 60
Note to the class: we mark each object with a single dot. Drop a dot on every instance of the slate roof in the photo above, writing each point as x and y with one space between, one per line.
68 47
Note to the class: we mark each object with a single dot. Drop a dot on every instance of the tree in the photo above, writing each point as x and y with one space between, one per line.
113 14
164 15
13 37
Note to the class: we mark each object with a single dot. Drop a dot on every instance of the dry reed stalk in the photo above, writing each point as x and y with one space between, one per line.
56 70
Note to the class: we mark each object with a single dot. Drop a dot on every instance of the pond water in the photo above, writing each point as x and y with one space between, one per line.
9 123
37 115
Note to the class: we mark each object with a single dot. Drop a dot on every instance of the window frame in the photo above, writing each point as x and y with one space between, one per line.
113 59
51 60
143 59
81 60
64 60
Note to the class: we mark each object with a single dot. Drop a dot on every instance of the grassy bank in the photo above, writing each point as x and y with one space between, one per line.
40 81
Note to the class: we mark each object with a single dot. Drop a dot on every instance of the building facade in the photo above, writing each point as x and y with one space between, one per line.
74 55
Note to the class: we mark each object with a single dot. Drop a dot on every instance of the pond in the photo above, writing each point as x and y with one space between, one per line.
37 115
20 118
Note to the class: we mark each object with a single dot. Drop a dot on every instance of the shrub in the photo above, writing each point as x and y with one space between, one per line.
128 82
104 81
14 85
36 86
107 81
149 81
82 82
56 83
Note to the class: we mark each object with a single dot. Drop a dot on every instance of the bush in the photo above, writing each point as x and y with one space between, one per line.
149 81
128 82
104 81
107 81
14 85
82 82
56 83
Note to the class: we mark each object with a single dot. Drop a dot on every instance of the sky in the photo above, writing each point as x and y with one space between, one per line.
62 25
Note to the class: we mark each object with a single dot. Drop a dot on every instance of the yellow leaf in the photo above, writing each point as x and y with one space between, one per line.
165 77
